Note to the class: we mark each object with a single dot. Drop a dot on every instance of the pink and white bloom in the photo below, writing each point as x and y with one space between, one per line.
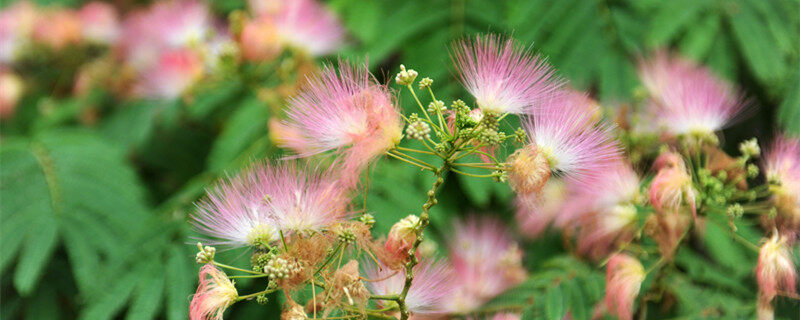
250 209
346 111
672 186
575 145
99 22
688 98
538 210
214 295
502 78
431 284
624 276
606 211
486 261
309 26
775 271
782 168
172 75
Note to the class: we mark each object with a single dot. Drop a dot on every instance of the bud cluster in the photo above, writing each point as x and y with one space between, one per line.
206 254
279 268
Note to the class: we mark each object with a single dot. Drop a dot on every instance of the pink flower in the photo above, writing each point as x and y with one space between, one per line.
346 111
308 26
501 77
624 276
250 209
259 40
687 98
537 210
11 89
782 168
99 22
16 26
609 216
214 294
575 145
775 271
486 262
173 74
429 287
57 28
672 186
402 236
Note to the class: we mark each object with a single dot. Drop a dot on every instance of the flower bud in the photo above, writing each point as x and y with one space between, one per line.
528 170
418 130
624 277
672 186
436 107
206 254
425 83
402 235
750 148
405 77
214 294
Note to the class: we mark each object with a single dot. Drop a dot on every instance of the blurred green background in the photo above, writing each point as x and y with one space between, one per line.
94 219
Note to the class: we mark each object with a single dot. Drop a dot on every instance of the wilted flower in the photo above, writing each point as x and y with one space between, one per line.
782 167
250 208
99 22
501 77
624 276
431 284
527 169
574 145
672 186
775 271
687 98
402 236
214 294
346 111
486 262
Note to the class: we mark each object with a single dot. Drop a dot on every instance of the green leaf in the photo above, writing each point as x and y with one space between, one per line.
147 298
671 18
179 276
242 128
554 307
725 250
698 43
758 46
40 243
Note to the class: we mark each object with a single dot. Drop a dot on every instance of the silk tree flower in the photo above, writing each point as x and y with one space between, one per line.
775 271
307 25
173 74
624 276
689 99
214 295
610 217
16 26
486 261
572 143
431 284
536 211
502 78
99 22
782 168
672 186
346 111
251 208
259 39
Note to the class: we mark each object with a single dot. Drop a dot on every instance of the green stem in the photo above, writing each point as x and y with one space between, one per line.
252 295
472 174
413 93
408 161
442 123
414 150
397 152
221 265
392 297
330 257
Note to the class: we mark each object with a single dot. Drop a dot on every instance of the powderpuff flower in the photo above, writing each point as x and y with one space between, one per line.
174 73
99 22
11 90
782 167
687 98
486 262
308 26
624 276
214 295
575 145
16 25
775 271
260 40
346 111
610 216
502 78
672 186
429 287
536 211
250 209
